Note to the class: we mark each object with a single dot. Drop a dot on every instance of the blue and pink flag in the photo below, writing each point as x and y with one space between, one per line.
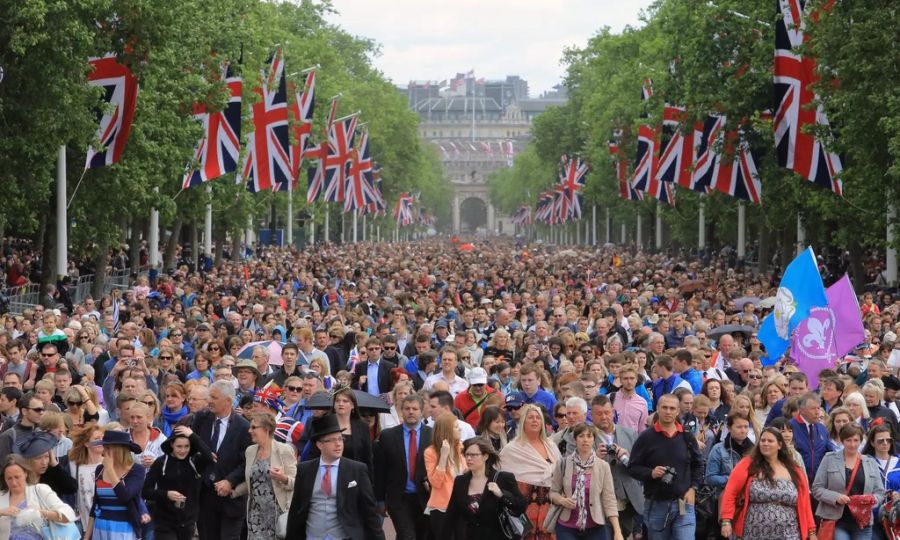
829 332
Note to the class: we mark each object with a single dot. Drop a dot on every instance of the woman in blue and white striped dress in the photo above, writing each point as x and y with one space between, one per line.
115 514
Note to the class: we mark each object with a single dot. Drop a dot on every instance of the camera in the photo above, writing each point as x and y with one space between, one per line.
669 476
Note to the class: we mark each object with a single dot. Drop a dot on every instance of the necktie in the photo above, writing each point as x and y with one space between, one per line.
326 481
215 434
413 452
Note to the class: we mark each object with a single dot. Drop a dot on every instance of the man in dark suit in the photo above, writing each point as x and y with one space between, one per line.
373 376
333 496
228 436
400 470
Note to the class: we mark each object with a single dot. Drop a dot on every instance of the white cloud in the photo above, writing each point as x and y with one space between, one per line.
434 39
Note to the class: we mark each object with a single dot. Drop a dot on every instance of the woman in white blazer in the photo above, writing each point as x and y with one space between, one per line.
25 505
271 468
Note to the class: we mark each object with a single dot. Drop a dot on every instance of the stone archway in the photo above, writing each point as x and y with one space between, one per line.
472 214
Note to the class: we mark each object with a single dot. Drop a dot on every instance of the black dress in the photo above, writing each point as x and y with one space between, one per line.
477 518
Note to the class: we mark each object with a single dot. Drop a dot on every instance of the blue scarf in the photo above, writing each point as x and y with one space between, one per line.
171 418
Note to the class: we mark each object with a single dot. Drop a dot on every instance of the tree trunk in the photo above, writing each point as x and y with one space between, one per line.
236 245
172 244
220 236
101 260
134 244
857 271
764 240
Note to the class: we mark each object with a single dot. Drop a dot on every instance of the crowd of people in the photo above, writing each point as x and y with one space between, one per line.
591 393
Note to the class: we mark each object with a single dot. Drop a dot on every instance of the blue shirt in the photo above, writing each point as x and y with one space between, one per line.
410 485
334 475
541 397
372 378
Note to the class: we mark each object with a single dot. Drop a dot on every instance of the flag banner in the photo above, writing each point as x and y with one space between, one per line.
829 332
678 148
218 152
336 163
573 174
643 178
301 114
800 290
626 192
359 191
795 100
268 159
115 119
732 170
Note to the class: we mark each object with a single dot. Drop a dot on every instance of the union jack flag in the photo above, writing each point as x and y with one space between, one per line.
572 179
626 192
403 210
545 206
268 160
378 205
676 158
731 171
360 184
301 112
522 216
795 74
644 176
121 92
336 163
218 152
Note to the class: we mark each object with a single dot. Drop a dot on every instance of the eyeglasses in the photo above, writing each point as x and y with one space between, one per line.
51 355
214 349
74 403
38 410
390 348
165 357
332 440
176 334
149 403
464 357
883 441
559 415
473 456
294 388
755 377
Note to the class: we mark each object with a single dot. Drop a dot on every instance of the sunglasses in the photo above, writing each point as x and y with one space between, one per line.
165 357
883 441
294 388
560 415
176 334
755 377
72 403
36 409
390 348
51 355
215 349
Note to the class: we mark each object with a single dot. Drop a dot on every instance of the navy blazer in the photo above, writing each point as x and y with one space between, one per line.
229 464
812 451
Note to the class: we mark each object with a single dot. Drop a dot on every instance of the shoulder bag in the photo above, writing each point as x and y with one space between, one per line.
56 531
513 526
826 527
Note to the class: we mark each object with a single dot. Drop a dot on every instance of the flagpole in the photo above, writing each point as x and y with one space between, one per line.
290 217
312 225
327 223
701 226
354 227
154 233
640 234
365 224
207 224
62 221
801 235
608 225
594 225
742 231
624 234
890 267
659 225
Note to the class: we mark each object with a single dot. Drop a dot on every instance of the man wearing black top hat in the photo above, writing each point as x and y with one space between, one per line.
333 496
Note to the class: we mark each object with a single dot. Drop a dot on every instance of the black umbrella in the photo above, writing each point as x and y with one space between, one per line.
720 331
364 400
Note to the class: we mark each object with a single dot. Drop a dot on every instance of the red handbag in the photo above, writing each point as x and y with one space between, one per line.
861 508
825 530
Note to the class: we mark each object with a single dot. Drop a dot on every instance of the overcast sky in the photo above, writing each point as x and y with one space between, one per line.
434 39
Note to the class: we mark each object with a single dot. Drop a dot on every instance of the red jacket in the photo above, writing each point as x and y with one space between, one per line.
740 482
468 409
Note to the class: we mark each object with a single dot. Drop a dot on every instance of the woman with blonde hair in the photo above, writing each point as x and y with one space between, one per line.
856 404
80 408
393 417
744 405
500 346
320 365
148 438
83 461
772 392
532 457
115 512
443 463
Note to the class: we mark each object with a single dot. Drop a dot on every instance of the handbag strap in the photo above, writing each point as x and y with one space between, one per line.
852 476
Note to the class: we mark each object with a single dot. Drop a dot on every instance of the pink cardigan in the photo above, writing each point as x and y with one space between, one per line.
441 482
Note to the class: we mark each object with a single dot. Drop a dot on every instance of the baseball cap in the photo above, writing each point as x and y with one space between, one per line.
478 376
515 400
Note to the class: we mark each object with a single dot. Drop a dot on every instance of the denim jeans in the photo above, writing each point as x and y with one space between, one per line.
852 532
665 522
567 533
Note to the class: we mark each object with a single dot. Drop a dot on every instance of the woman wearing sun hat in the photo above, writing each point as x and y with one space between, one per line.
115 514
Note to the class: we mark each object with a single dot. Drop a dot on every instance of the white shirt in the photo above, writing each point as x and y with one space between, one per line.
457 384
466 431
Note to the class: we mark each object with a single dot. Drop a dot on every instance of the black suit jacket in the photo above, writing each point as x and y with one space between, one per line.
229 464
390 466
355 505
385 384
485 523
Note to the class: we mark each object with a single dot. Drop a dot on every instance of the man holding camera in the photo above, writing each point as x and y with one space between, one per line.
616 444
668 462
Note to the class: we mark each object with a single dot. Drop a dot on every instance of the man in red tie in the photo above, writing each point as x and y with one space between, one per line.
400 470
333 495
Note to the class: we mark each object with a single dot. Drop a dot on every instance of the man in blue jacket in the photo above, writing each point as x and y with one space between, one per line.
683 362
668 380
810 436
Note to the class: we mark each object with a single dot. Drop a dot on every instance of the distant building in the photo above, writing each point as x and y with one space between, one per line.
478 126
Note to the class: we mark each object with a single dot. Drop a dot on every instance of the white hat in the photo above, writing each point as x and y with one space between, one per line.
478 376
890 336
